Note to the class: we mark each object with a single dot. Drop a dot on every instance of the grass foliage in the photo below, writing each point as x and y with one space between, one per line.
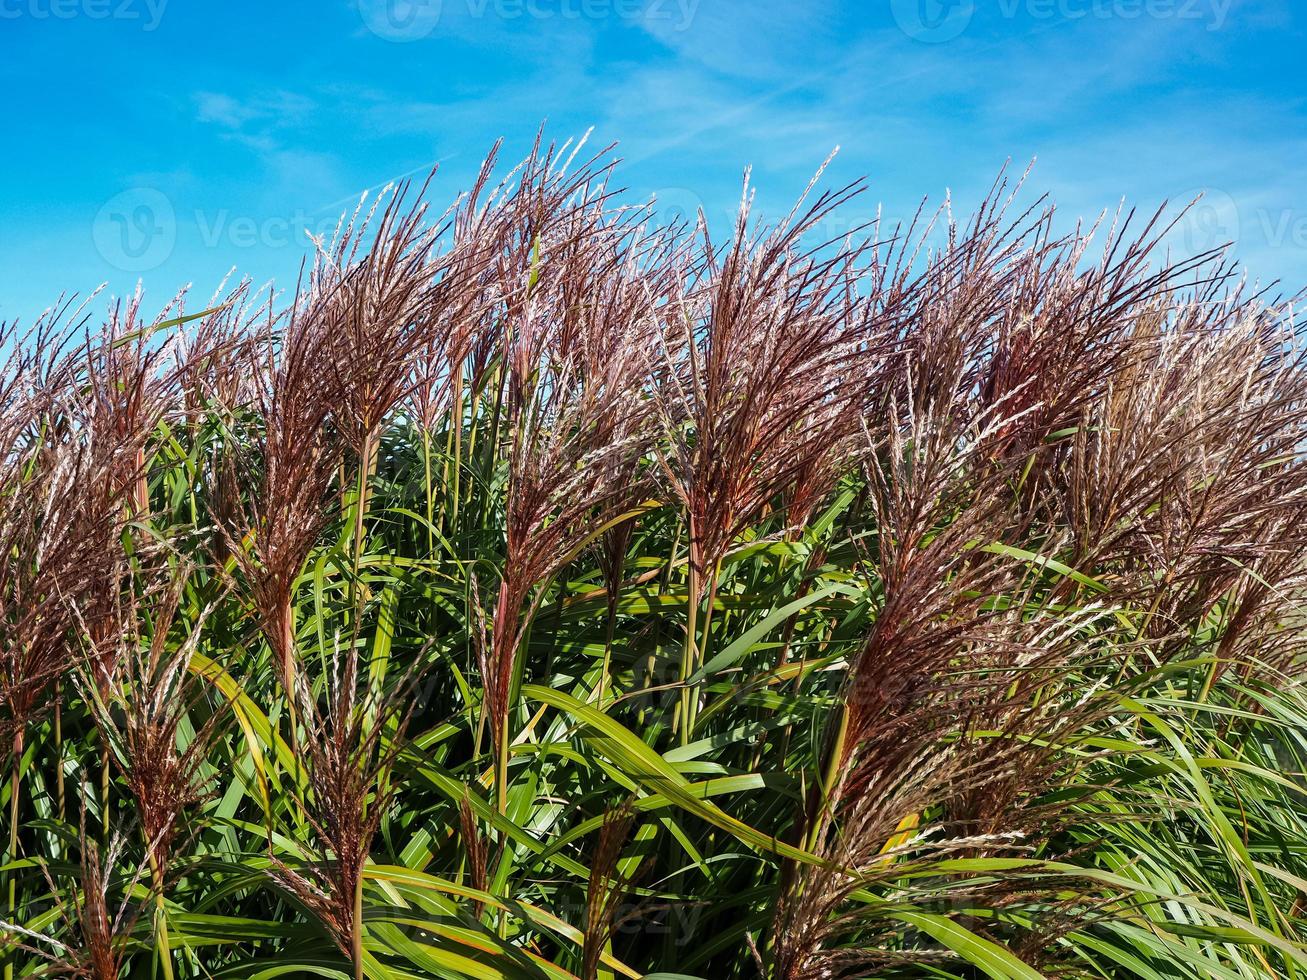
537 593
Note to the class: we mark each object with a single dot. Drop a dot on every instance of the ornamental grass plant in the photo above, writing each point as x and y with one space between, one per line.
540 592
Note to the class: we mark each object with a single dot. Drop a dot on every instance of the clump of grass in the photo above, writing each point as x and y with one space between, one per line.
539 591
351 740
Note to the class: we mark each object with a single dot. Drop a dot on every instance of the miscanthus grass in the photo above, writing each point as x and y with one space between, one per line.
539 592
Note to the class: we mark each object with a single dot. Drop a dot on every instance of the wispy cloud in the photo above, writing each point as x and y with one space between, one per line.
254 120
695 90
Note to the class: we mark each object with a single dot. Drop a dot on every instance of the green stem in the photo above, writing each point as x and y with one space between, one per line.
492 443
834 768
367 466
501 771
357 936
426 472
474 407
161 919
501 805
783 659
682 720
456 456
59 750
290 681
606 669
701 648
104 785
11 852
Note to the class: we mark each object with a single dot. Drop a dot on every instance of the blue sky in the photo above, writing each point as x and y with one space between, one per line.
170 140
